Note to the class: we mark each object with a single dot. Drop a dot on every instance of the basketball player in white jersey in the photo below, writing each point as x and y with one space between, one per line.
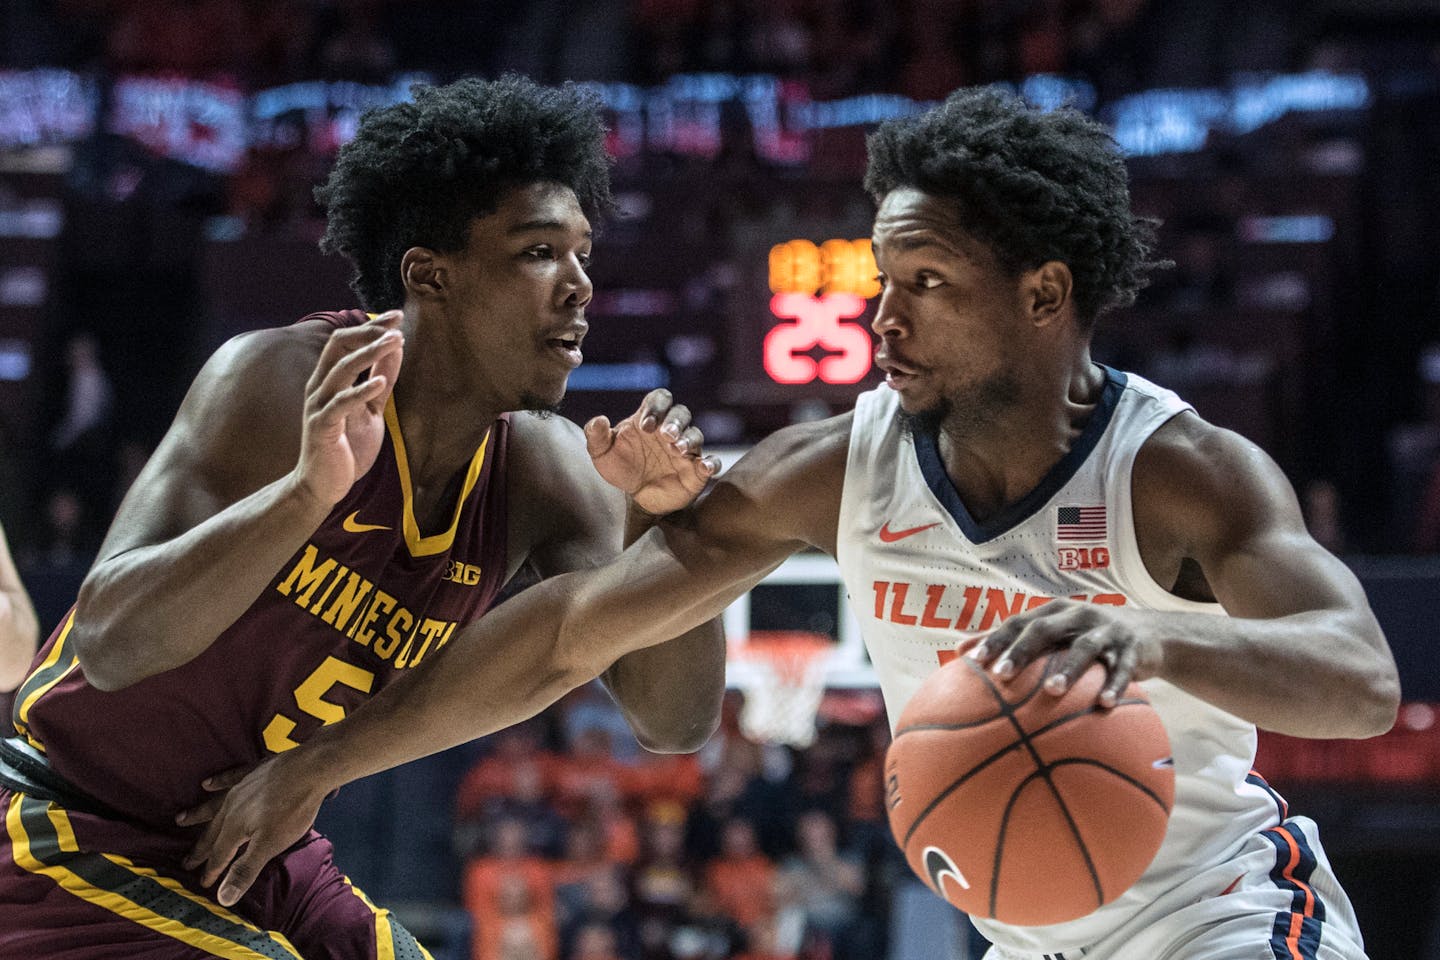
1000 481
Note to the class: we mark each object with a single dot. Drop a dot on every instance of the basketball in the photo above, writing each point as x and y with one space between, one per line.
1024 807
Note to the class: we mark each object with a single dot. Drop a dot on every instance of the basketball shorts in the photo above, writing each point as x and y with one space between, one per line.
74 886
1277 899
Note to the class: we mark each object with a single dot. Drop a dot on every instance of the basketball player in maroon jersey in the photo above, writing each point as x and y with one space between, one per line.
1003 233
322 517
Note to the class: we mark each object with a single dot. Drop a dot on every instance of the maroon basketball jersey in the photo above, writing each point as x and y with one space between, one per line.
369 595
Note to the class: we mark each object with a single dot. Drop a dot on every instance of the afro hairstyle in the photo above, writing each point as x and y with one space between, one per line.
419 172
1031 186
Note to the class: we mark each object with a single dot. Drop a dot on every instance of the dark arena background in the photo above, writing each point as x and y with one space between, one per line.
156 165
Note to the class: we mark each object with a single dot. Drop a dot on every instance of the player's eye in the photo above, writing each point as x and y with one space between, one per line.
584 259
541 252
927 281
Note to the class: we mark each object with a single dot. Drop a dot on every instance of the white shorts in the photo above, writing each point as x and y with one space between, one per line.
1277 899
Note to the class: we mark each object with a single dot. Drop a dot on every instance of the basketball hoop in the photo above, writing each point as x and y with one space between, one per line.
783 683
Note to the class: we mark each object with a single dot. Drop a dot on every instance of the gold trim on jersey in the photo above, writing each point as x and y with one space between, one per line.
421 546
55 667
43 842
388 935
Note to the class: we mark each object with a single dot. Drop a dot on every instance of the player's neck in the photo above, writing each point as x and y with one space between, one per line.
996 460
443 419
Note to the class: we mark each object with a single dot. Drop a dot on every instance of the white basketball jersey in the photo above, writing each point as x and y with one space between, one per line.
920 571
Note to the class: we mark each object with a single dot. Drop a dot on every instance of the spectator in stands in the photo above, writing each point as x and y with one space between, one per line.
517 757
821 885
510 897
595 941
605 902
663 880
740 881
590 772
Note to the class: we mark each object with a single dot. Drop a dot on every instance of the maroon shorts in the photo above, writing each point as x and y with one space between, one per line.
79 887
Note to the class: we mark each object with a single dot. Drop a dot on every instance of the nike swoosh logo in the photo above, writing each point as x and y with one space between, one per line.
890 536
352 525
939 867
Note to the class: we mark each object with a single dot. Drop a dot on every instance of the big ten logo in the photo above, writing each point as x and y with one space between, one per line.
464 573
1084 558
818 288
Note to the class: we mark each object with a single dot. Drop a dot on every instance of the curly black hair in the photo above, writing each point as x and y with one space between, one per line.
418 172
1032 186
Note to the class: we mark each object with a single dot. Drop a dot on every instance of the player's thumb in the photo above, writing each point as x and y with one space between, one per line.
598 438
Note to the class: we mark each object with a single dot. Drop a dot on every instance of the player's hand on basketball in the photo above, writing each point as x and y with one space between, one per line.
1088 633
654 455
345 415
269 809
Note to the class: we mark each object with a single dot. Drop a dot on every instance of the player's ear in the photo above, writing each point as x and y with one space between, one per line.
1048 290
423 273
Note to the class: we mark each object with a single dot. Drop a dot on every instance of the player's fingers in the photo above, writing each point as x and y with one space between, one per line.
654 408
1035 635
348 339
710 464
387 368
348 368
1121 663
599 438
226 779
690 441
1085 648
203 812
245 869
676 421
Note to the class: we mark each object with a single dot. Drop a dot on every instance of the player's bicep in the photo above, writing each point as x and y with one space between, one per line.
234 433
1242 523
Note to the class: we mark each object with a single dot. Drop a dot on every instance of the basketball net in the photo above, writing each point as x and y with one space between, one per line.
783 685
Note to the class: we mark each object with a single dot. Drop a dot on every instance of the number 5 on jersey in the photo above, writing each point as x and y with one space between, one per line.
310 698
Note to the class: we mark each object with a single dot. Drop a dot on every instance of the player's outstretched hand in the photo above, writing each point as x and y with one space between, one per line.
345 415
260 816
653 455
1087 632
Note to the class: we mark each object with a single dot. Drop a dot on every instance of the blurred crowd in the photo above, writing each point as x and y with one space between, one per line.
577 846
922 48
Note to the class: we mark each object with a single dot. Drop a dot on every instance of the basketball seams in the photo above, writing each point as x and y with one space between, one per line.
1007 710
1058 721
956 785
1042 773
1134 782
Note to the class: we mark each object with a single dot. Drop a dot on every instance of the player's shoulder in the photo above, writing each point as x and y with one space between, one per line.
1193 474
545 447
266 359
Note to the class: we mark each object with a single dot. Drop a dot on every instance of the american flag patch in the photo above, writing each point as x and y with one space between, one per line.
1080 523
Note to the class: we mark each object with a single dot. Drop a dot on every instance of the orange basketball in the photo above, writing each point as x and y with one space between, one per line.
1024 807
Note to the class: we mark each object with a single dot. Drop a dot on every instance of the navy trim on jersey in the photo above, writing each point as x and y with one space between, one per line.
1296 933
927 452
1281 806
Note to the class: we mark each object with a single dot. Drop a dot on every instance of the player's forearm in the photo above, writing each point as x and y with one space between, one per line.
1319 674
670 693
154 608
19 633
508 666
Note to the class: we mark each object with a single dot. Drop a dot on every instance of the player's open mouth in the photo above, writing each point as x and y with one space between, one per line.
896 375
568 348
